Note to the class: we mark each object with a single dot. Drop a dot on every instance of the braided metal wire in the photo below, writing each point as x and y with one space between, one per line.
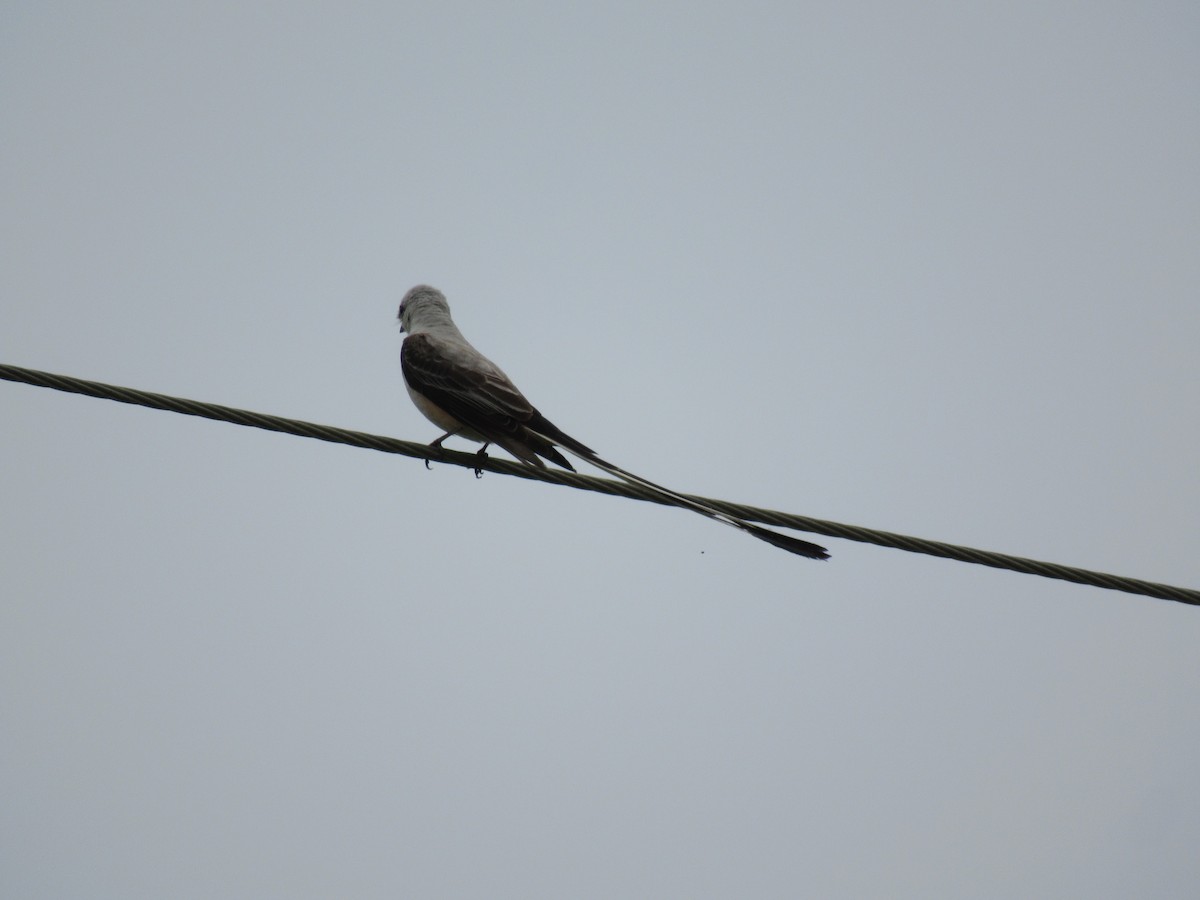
590 483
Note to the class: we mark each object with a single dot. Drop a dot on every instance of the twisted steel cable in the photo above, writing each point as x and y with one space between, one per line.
590 483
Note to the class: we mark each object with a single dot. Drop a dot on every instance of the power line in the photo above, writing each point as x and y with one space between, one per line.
590 483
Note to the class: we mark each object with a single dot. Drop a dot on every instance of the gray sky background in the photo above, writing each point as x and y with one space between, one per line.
930 268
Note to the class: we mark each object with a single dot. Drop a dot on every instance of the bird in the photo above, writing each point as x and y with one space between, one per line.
467 395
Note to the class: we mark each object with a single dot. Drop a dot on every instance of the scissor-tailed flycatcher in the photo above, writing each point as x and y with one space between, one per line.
464 393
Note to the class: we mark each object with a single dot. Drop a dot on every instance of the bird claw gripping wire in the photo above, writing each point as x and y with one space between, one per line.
481 456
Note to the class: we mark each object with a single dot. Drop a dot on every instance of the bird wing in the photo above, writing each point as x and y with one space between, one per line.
475 391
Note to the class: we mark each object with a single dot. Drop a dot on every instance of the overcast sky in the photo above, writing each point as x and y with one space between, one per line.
925 267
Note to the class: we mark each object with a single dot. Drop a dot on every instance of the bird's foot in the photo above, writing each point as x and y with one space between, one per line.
436 445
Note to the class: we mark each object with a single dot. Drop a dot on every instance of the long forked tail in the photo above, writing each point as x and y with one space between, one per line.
784 541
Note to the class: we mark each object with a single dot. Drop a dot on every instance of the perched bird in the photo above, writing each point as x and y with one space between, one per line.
464 393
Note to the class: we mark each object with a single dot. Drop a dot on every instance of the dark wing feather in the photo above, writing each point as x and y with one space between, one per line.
477 393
